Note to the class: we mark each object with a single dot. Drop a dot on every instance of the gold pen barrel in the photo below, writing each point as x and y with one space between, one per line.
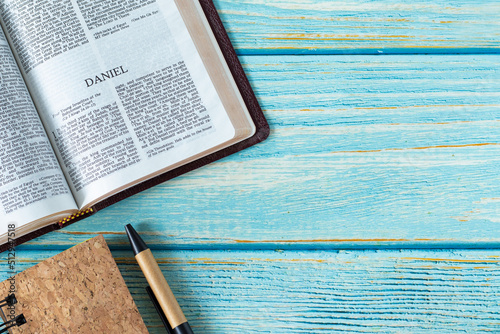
160 288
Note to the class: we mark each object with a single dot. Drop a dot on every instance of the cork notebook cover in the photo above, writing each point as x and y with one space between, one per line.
79 290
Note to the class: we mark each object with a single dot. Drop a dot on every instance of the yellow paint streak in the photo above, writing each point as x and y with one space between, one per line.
408 107
28 261
206 260
292 260
352 48
288 36
381 108
317 240
430 106
442 267
215 262
332 19
419 148
439 123
449 260
316 37
195 261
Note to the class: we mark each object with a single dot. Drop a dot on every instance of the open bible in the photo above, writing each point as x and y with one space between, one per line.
102 99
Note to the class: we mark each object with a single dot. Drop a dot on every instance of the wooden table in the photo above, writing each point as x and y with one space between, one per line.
374 206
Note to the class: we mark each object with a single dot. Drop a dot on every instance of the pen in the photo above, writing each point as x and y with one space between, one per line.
159 286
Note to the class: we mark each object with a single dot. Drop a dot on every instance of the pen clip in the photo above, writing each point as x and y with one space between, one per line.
159 310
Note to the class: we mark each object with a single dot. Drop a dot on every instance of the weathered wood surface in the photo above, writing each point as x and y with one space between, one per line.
362 27
389 156
365 151
297 291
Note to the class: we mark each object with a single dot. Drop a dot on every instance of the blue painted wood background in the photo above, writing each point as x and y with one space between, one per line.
374 206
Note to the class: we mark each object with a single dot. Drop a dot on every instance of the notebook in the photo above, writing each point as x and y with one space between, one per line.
79 290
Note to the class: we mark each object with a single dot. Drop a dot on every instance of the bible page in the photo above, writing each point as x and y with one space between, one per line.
32 185
119 85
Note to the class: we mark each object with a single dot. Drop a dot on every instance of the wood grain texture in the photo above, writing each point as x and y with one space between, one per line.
358 26
365 151
295 291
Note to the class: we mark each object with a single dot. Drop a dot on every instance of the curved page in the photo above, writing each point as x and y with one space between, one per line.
32 185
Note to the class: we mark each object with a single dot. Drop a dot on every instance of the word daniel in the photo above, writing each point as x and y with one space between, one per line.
114 72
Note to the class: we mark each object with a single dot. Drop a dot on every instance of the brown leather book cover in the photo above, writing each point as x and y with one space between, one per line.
79 290
262 130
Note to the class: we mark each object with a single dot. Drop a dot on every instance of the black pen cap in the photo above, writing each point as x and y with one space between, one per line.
138 245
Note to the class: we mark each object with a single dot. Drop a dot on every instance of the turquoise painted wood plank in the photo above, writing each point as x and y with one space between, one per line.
411 291
365 151
356 26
